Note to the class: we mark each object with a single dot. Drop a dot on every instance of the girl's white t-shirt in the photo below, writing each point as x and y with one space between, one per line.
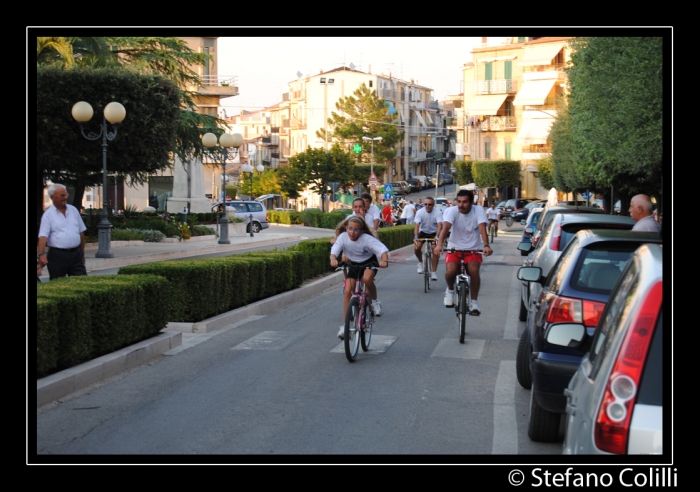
360 250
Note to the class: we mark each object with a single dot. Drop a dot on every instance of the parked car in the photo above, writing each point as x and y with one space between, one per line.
414 184
423 181
440 203
500 207
448 178
514 204
555 237
551 212
575 291
407 186
530 223
400 189
244 209
615 398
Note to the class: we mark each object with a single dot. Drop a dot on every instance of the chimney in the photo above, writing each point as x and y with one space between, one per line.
320 71
369 68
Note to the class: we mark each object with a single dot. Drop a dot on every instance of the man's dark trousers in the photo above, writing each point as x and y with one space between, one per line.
64 262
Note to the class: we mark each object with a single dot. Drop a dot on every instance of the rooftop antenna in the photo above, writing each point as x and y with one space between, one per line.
299 74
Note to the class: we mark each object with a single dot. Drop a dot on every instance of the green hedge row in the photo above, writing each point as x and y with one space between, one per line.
81 318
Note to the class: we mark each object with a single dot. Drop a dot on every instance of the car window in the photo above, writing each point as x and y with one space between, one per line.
535 219
553 282
615 312
255 207
600 266
569 230
239 207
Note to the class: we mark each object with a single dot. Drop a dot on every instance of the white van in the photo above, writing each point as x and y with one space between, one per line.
423 181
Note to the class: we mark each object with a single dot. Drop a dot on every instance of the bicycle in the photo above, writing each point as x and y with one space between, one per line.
427 260
359 317
462 286
509 221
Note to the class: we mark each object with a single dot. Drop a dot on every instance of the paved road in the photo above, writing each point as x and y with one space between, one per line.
278 384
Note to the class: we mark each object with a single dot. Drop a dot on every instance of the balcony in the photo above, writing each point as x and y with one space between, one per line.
266 162
267 140
535 152
275 155
218 85
501 86
498 124
297 125
434 105
389 94
430 153
274 129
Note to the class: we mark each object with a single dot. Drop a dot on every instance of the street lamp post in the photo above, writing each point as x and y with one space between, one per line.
378 139
226 140
113 113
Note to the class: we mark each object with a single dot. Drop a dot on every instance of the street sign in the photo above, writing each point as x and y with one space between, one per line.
373 187
373 178
387 195
357 148
585 195
389 189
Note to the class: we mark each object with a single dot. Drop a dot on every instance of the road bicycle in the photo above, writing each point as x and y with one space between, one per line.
427 259
493 232
462 285
509 221
359 317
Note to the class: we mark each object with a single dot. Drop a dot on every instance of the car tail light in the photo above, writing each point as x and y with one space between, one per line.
535 239
615 411
569 310
555 240
267 218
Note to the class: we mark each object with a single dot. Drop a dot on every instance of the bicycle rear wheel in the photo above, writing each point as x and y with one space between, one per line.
366 333
351 339
493 232
462 313
427 265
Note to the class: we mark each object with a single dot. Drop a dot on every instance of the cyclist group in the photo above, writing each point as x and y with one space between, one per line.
464 223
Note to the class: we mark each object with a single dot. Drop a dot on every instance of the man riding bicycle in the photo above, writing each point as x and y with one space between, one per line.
361 249
492 215
428 225
466 221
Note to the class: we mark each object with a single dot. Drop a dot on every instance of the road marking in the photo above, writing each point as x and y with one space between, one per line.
192 339
377 345
510 330
505 429
270 340
450 347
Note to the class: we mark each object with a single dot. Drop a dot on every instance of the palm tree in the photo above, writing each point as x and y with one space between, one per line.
55 50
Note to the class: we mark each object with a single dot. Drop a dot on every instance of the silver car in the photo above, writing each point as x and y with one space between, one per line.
555 236
244 209
615 398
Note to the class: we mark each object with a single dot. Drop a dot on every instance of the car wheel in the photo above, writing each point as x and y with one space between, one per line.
522 361
255 227
543 425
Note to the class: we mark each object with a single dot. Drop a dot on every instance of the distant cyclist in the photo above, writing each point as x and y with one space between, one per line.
362 250
493 216
466 221
428 225
372 210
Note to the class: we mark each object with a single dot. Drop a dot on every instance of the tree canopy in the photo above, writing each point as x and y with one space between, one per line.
616 112
496 174
364 114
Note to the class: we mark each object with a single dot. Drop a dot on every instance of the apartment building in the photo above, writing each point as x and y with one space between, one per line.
511 89
312 100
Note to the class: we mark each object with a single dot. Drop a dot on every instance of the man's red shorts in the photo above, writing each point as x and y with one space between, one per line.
457 257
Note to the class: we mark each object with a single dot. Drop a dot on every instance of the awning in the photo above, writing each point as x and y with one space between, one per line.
534 131
541 54
427 116
420 118
534 92
485 105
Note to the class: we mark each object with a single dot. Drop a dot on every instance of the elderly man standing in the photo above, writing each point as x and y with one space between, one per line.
62 229
640 211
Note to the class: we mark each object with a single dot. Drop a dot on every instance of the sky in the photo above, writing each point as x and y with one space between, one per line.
265 65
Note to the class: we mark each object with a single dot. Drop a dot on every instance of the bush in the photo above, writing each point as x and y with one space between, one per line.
147 235
125 235
200 230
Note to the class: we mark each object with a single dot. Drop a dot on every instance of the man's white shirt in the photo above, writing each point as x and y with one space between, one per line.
428 221
492 213
464 232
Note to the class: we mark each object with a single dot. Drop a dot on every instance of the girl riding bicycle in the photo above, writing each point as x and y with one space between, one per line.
361 249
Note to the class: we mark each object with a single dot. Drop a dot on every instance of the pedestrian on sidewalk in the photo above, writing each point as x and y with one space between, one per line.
62 230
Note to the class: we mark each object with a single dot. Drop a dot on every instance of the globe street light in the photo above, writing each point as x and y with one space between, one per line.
115 114
226 140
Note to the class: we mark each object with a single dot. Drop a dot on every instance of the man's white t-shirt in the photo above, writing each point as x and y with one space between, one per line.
464 232
428 221
492 213
410 210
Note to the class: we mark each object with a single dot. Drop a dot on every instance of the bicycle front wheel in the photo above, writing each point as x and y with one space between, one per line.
462 313
493 232
352 331
426 272
366 333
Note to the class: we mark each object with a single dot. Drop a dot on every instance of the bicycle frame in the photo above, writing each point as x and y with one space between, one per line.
427 259
462 286
358 312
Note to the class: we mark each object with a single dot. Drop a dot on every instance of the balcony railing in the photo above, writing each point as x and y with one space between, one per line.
500 86
498 124
275 155
544 68
387 94
434 105
267 140
537 149
220 80
266 162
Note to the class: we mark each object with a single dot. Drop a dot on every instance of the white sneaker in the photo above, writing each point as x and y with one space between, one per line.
449 300
474 308
433 276
420 268
377 308
341 332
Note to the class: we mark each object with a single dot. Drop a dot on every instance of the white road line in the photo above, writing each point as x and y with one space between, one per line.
510 330
505 429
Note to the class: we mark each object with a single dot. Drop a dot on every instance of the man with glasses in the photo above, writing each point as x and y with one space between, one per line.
428 225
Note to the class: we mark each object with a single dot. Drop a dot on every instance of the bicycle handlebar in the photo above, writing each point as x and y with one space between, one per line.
429 239
474 251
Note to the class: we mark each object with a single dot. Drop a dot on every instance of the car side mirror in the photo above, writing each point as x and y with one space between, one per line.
529 274
523 222
525 246
569 335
